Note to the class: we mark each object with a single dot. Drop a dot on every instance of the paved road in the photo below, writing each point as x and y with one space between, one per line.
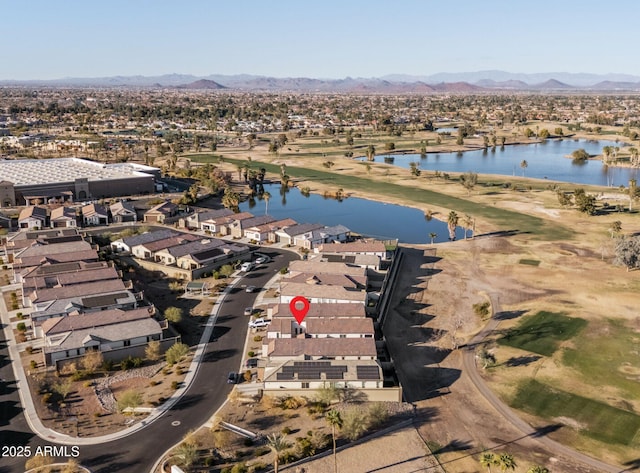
138 452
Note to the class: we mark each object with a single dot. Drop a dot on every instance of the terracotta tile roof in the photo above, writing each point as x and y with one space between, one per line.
318 347
94 319
322 310
353 247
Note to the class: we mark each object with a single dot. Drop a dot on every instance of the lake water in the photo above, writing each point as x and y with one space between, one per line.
367 217
546 160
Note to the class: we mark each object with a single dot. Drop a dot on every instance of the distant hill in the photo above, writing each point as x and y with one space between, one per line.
552 84
202 84
445 82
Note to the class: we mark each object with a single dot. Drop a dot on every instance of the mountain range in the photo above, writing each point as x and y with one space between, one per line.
463 82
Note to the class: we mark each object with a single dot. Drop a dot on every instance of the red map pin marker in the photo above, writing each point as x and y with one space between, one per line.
299 306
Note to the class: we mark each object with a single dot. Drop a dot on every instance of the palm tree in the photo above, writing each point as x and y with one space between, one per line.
507 462
187 452
334 419
452 223
371 152
266 196
633 184
524 164
487 459
277 443
467 223
538 469
433 236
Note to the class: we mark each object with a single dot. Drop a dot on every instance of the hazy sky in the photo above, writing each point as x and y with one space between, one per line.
46 39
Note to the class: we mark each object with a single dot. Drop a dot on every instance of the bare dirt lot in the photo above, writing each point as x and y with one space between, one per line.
432 311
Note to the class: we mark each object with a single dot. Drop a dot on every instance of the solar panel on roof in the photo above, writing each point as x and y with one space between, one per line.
334 374
367 372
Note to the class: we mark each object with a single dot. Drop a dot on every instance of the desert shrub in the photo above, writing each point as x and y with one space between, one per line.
481 309
33 364
378 414
173 314
154 383
176 352
178 370
251 354
46 398
20 315
22 327
130 398
87 384
29 350
107 365
257 338
247 376
354 424
291 402
174 385
78 375
286 430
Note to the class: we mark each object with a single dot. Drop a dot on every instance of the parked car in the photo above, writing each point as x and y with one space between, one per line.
248 311
251 363
259 323
262 260
233 378
248 266
250 289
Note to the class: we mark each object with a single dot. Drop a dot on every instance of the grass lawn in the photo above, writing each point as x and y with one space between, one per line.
542 332
599 421
506 219
607 355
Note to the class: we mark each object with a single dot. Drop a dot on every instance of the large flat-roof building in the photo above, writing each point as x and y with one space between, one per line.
34 181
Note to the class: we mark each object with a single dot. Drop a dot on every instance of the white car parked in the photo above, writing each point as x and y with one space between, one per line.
259 323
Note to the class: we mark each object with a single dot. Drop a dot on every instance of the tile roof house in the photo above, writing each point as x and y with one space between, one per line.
127 243
288 234
196 219
123 212
170 255
33 217
63 217
238 227
161 212
317 293
315 238
222 225
107 331
267 232
284 349
148 250
95 214
358 247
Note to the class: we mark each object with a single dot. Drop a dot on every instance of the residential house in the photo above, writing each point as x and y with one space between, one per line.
318 293
54 252
170 255
33 218
358 247
105 331
285 349
213 258
287 235
222 225
41 295
63 277
266 233
63 217
300 377
122 212
317 237
42 311
94 214
126 244
195 220
148 250
237 227
161 212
